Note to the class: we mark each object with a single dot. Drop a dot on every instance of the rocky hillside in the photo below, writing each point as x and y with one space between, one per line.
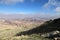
47 27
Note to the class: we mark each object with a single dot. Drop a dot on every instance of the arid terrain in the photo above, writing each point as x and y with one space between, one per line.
27 27
29 19
9 28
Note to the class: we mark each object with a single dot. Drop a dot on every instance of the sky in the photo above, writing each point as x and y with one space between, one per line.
30 7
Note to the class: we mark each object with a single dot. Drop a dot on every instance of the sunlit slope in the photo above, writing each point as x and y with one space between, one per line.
9 28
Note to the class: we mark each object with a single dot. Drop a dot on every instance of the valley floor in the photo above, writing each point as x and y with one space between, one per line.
8 31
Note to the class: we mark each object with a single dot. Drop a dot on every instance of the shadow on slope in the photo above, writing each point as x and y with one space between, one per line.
47 27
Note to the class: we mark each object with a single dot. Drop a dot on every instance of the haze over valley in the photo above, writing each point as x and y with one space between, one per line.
29 19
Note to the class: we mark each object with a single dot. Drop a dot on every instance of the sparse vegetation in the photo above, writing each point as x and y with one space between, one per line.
8 30
23 30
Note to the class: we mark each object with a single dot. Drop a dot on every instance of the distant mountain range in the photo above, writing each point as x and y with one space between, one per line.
25 17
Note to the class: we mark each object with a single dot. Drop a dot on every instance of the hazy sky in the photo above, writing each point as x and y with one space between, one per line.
30 6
